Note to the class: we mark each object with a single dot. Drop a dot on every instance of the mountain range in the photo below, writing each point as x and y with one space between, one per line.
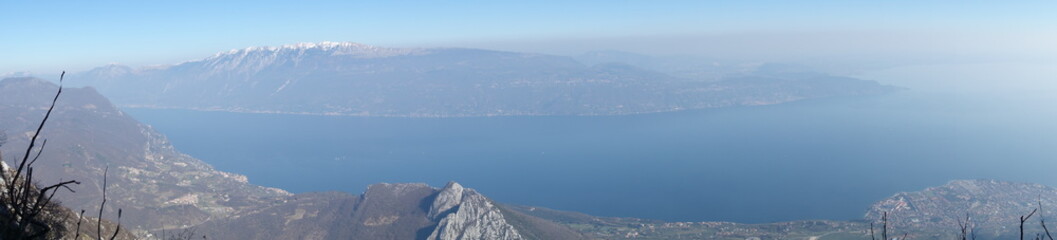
161 189
342 78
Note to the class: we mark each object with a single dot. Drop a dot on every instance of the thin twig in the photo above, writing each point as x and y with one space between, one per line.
42 145
1042 219
872 236
80 217
884 227
33 140
1025 219
99 222
118 225
964 225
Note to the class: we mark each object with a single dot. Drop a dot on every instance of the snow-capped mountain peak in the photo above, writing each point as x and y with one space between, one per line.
331 48
253 59
111 70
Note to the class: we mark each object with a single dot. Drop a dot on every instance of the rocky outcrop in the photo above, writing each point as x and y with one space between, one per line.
388 211
465 214
448 198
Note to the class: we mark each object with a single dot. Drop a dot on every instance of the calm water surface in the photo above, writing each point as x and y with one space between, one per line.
822 159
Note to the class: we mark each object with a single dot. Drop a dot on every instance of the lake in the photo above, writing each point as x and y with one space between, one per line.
817 159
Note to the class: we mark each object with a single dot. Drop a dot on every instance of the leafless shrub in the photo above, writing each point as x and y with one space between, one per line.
1025 219
968 229
28 211
884 229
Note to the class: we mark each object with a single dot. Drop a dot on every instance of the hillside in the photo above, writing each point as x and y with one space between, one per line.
161 189
388 211
993 206
355 79
157 186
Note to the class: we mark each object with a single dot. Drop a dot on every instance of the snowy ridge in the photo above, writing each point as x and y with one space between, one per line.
333 48
253 59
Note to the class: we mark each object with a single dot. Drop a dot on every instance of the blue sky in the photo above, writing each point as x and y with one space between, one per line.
76 35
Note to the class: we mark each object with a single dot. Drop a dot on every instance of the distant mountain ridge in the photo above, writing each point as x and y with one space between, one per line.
333 78
161 188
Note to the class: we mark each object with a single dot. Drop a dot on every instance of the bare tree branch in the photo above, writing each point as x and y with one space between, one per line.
99 221
1025 219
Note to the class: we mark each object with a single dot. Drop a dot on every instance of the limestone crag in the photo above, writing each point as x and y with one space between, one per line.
469 215
449 197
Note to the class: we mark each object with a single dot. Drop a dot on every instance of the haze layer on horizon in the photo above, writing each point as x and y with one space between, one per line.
49 37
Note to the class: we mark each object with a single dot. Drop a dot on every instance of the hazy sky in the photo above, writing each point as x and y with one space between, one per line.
76 35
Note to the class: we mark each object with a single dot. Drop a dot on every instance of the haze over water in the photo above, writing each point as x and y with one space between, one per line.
822 159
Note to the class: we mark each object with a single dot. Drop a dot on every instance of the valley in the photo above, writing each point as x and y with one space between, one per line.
212 202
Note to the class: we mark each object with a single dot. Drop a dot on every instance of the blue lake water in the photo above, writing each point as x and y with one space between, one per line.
819 159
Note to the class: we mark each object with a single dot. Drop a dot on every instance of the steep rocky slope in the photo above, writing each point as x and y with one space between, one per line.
155 185
464 214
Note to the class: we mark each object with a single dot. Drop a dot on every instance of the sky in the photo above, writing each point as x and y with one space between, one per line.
51 36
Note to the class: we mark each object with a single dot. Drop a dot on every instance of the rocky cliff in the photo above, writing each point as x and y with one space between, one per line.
465 214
